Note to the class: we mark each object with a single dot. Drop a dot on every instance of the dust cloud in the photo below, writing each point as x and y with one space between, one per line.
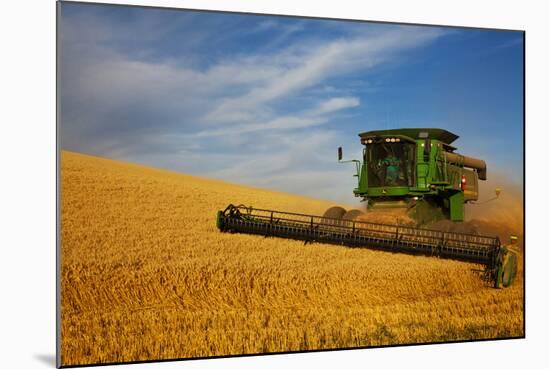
502 216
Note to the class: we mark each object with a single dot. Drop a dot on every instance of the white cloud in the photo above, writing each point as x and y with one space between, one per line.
327 60
235 117
308 118
335 104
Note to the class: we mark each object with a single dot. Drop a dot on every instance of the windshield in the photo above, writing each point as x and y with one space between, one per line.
390 164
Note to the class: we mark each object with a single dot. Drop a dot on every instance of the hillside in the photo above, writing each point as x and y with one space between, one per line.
146 276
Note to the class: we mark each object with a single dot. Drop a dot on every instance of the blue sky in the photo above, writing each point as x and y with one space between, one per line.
266 100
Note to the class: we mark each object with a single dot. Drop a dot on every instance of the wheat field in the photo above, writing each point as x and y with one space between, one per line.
145 275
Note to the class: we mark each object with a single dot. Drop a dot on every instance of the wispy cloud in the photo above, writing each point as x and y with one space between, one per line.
335 104
308 118
318 64
185 111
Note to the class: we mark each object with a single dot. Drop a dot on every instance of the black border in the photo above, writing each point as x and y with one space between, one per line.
58 185
524 190
57 188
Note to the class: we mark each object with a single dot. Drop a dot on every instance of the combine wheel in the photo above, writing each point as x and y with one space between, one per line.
509 269
336 213
506 271
353 214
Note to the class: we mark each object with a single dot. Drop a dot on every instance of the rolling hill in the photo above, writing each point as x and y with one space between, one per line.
145 275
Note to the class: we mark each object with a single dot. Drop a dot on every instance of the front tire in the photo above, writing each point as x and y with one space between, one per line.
335 213
509 269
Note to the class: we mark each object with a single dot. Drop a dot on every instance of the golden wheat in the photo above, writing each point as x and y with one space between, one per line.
146 275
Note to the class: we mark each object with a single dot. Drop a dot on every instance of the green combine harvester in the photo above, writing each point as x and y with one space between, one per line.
416 170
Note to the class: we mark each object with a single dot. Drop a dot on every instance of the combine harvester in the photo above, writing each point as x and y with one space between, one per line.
416 170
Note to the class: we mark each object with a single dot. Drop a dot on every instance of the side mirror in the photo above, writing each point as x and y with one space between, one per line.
340 155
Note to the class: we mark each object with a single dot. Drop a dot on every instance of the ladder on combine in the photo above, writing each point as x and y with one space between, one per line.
499 262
